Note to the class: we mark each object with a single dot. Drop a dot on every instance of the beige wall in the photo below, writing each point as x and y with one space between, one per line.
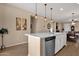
1 20
9 21
42 25
1 16
0 28
77 26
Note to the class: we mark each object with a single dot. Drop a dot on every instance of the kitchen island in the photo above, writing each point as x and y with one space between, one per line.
45 44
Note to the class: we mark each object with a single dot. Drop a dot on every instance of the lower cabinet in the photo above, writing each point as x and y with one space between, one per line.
57 44
60 41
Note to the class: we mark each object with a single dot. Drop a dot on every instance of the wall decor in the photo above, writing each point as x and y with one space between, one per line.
21 23
18 23
24 24
48 26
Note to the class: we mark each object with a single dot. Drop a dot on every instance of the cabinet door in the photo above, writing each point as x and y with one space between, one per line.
57 44
64 39
61 41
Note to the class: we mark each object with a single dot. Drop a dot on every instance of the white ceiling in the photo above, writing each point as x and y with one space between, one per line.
65 15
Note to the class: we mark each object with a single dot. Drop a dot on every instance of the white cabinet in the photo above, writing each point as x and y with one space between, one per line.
57 44
64 39
60 41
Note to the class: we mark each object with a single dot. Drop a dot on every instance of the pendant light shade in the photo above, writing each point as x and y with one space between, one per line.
36 16
36 11
73 23
45 18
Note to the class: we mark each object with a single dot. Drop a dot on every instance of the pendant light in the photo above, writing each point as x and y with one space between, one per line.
73 23
51 14
36 11
73 13
45 18
52 21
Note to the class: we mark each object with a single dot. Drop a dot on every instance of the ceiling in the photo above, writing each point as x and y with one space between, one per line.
65 15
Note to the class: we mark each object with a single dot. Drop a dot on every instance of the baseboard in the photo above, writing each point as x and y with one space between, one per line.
15 44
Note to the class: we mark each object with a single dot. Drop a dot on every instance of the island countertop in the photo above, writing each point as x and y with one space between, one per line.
44 34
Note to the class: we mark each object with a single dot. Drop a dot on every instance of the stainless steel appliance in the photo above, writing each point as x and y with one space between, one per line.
50 46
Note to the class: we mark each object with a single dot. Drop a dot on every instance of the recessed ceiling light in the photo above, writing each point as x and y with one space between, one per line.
61 9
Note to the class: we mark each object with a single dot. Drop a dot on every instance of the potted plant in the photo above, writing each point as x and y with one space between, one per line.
2 32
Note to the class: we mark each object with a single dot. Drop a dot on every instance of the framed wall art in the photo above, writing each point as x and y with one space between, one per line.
18 23
24 24
21 23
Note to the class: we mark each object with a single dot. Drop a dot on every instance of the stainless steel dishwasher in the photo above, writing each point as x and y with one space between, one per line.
50 46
